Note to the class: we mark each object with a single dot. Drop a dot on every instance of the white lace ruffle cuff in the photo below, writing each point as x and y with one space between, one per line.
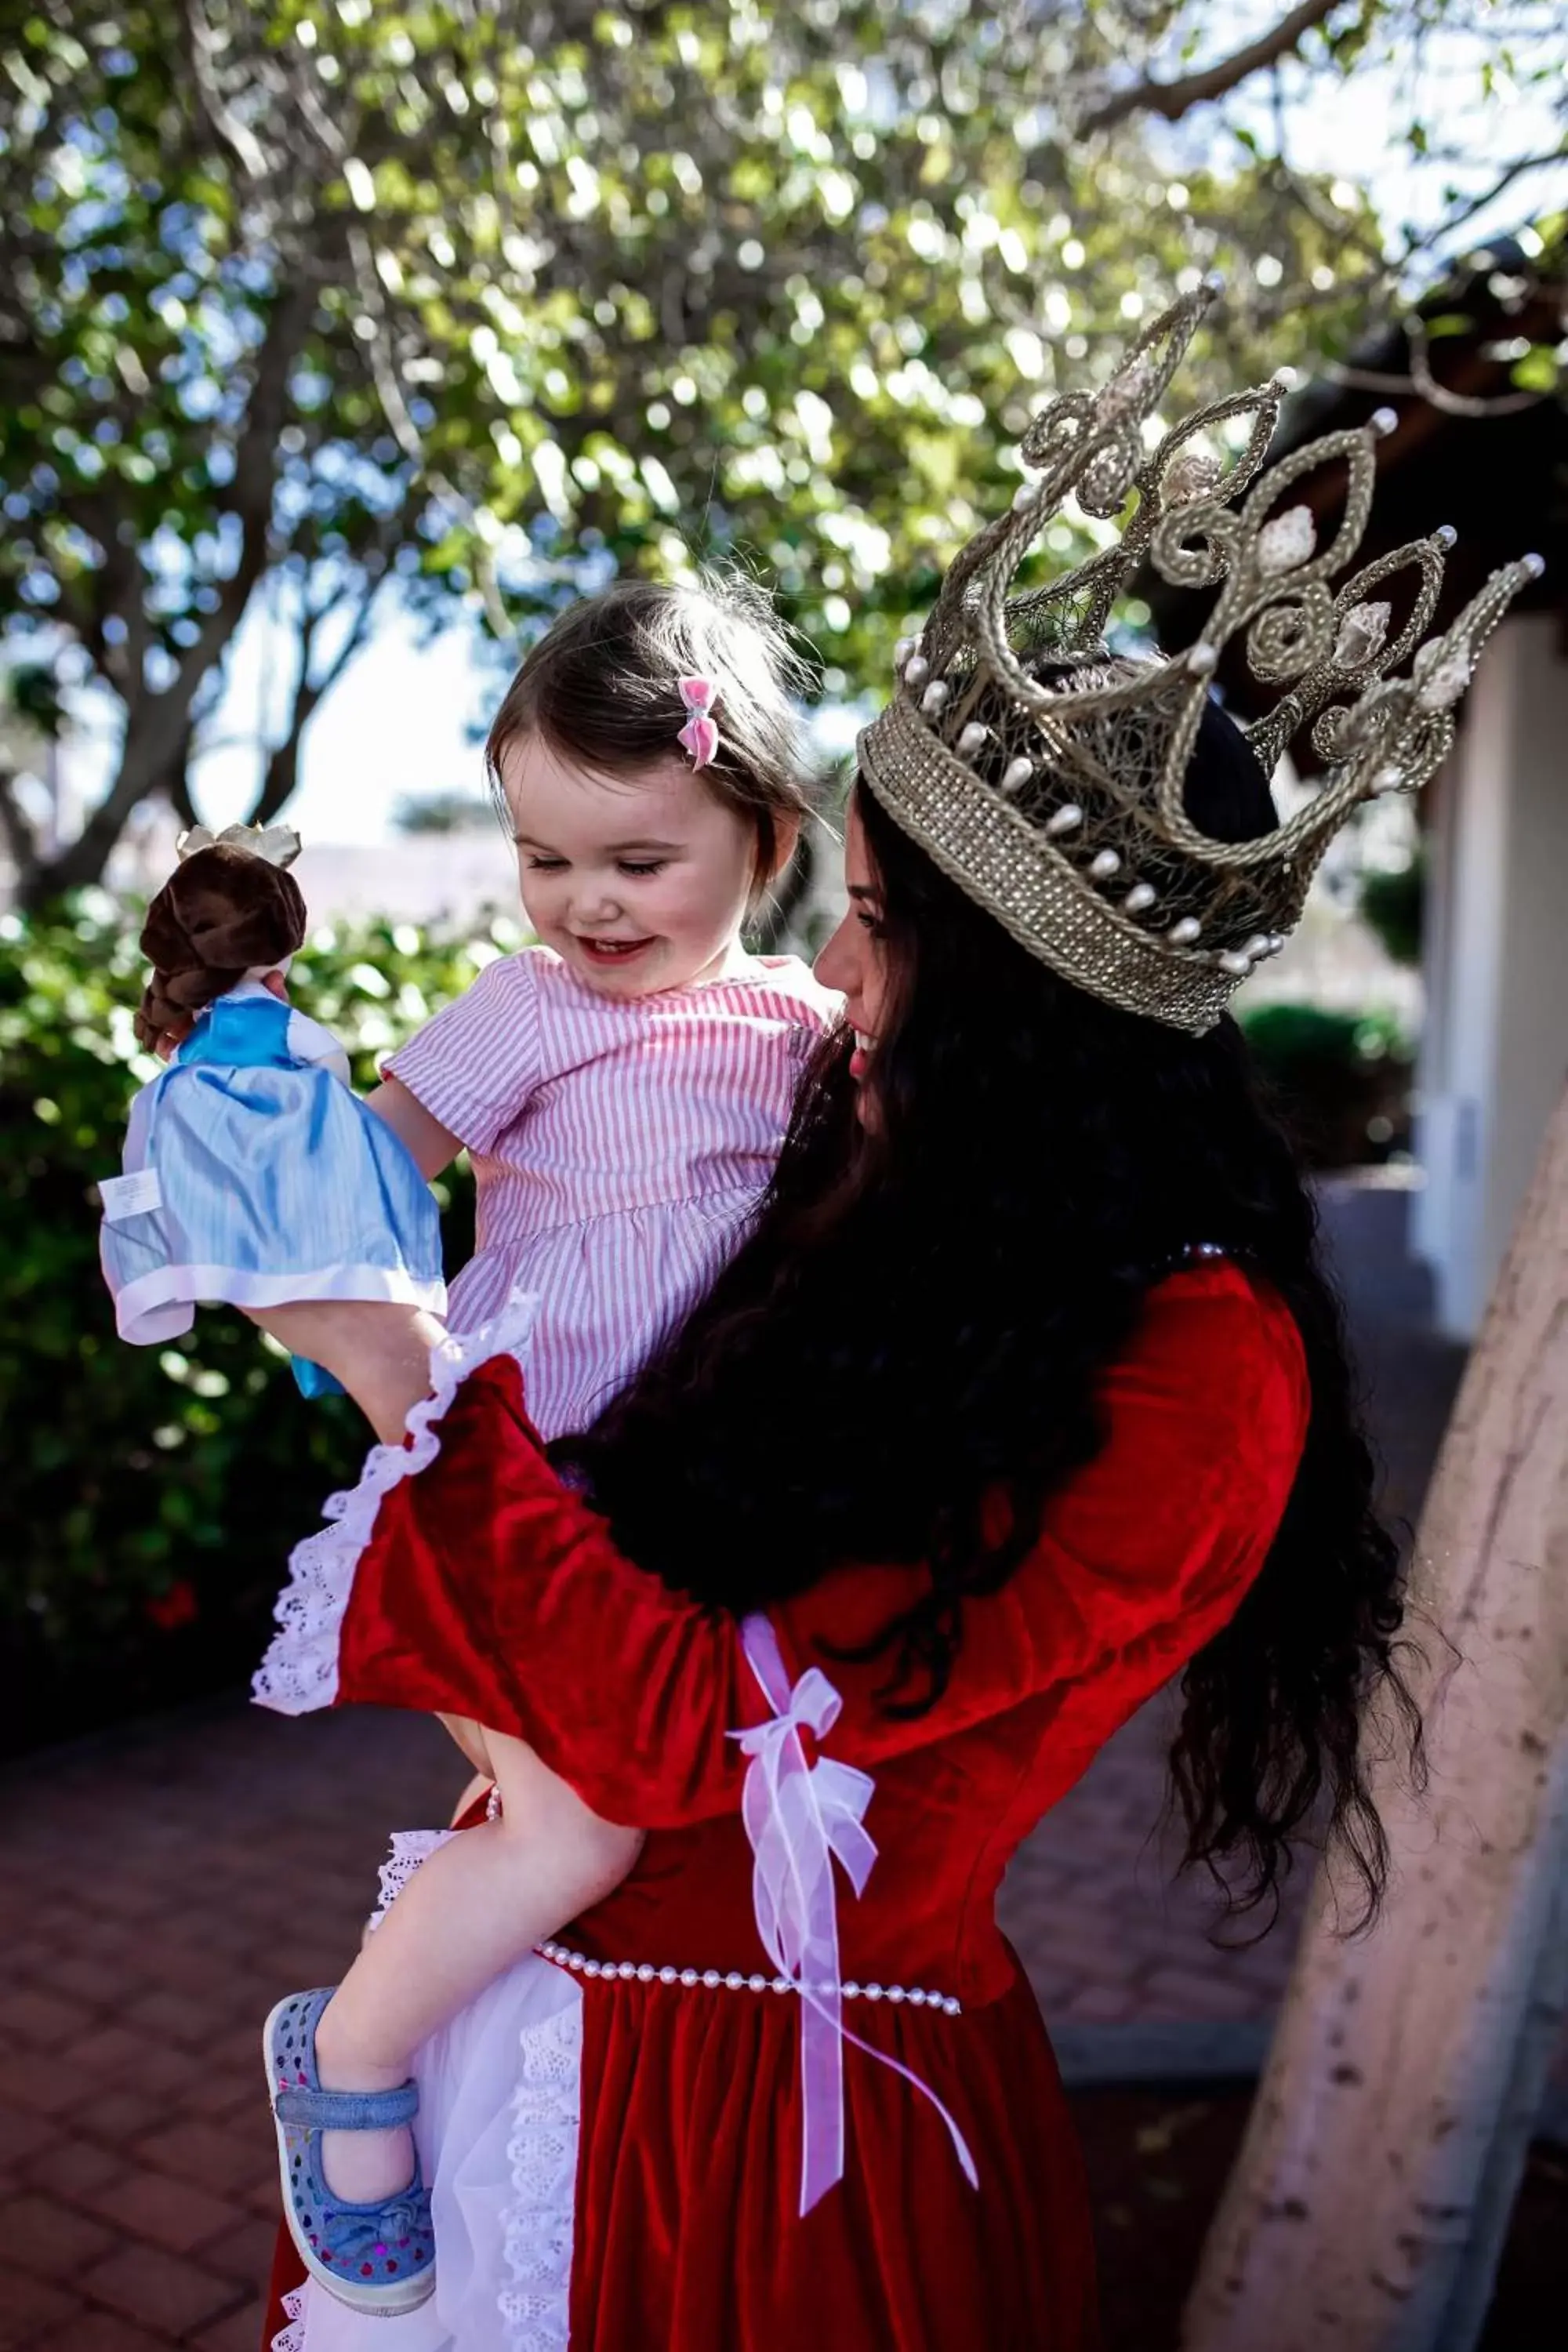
299 1672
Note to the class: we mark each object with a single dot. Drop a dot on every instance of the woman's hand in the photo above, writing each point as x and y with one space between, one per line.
379 1352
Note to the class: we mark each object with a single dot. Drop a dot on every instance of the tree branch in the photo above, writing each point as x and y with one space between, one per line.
17 832
254 472
240 141
1333 222
382 355
179 791
1173 99
1478 204
174 782
352 643
281 777
1424 384
155 723
111 589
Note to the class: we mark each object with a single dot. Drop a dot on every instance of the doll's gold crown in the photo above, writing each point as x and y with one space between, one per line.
1047 777
275 844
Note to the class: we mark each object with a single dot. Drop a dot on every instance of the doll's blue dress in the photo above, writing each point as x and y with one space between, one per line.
254 1175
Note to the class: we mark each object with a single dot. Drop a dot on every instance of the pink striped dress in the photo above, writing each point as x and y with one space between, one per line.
620 1148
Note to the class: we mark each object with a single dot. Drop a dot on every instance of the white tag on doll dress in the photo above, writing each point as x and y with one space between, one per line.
131 1196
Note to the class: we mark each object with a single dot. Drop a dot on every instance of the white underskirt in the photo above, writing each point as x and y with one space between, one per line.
500 2103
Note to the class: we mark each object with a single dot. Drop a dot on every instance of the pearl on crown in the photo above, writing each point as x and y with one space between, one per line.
1444 680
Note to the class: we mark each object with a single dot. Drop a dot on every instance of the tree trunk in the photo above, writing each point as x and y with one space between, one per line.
15 832
158 724
83 861
1370 2202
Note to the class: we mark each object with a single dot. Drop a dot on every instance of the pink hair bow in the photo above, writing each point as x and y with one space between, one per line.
699 736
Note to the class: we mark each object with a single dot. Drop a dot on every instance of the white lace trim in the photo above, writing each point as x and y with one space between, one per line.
293 2338
543 2154
300 1671
410 1850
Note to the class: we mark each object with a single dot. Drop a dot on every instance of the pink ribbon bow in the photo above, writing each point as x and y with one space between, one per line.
699 736
798 1818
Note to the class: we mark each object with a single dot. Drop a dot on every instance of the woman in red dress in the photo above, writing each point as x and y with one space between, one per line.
1026 1395
1086 1453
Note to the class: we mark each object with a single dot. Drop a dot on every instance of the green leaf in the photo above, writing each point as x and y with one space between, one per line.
1539 370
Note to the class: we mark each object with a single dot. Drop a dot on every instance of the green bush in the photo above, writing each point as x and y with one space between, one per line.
151 1496
1340 1079
1391 902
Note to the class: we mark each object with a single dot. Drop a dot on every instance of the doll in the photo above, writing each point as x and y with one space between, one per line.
254 1175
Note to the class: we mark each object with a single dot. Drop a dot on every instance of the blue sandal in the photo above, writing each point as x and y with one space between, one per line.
378 2259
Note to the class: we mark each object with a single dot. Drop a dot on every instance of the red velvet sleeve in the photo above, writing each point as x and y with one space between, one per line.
489 1590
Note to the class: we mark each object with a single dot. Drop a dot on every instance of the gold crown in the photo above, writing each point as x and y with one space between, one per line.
1046 777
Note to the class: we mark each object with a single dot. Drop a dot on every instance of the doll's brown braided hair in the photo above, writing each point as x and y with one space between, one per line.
221 911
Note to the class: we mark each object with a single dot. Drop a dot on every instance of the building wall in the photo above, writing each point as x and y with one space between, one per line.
1495 1055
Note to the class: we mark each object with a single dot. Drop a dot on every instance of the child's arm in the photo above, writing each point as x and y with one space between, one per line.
464 1078
431 1146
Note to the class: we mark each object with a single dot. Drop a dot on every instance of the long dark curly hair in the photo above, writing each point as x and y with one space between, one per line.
923 1316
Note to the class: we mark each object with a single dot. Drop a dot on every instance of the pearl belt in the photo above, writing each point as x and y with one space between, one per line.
733 1981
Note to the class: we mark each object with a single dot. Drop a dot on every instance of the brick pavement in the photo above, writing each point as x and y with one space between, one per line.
164 1883
162 1886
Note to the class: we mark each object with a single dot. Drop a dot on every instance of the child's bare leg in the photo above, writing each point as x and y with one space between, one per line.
379 1351
475 1907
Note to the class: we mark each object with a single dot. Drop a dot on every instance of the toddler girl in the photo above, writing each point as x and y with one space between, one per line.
622 1088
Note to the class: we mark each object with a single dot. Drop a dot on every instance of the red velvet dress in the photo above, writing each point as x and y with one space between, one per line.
488 1591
